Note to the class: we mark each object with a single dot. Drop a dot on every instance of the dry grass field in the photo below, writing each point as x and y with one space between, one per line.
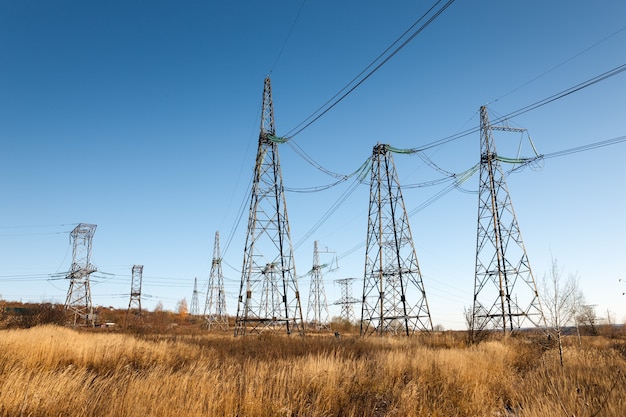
56 371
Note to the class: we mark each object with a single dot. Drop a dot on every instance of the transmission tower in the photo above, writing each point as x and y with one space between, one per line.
78 307
133 314
194 309
505 293
347 300
317 315
394 299
268 295
215 305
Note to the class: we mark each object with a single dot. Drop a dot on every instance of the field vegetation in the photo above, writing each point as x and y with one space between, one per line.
185 370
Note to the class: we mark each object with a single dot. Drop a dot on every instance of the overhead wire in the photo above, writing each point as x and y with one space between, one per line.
359 171
560 65
584 148
300 152
346 90
564 93
360 175
293 25
240 215
315 189
577 149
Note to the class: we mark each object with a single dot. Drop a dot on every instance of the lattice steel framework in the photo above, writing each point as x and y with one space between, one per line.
78 306
347 300
194 307
215 305
134 314
505 293
268 296
394 299
317 315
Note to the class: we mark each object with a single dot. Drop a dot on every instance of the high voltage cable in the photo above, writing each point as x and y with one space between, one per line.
561 64
293 25
362 172
316 188
338 97
608 74
564 93
240 215
38 226
584 147
310 160
577 149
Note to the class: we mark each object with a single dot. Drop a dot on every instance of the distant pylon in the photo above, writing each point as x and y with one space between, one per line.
317 315
347 300
133 314
268 264
78 307
194 309
505 293
394 299
215 305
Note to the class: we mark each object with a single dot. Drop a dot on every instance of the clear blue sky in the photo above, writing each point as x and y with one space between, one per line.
142 117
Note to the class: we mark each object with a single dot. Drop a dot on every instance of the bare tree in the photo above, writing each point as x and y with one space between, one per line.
588 319
562 301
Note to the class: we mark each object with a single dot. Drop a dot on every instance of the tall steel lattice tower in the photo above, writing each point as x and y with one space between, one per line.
133 314
317 315
215 305
78 307
194 308
394 299
505 293
347 300
268 296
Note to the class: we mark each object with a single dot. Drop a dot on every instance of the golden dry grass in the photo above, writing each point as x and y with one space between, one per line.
56 371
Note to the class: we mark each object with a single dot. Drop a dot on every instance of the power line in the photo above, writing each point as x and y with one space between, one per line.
362 172
300 152
338 97
591 81
584 148
293 25
561 64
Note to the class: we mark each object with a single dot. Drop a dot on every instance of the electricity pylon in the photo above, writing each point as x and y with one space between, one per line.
317 315
133 314
268 295
347 300
505 293
194 308
215 305
78 307
394 299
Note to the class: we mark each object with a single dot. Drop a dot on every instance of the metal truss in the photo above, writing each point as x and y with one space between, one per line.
268 295
347 300
78 306
505 293
194 307
394 299
317 316
215 306
133 314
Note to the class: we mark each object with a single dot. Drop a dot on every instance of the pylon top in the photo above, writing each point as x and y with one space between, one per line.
267 120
